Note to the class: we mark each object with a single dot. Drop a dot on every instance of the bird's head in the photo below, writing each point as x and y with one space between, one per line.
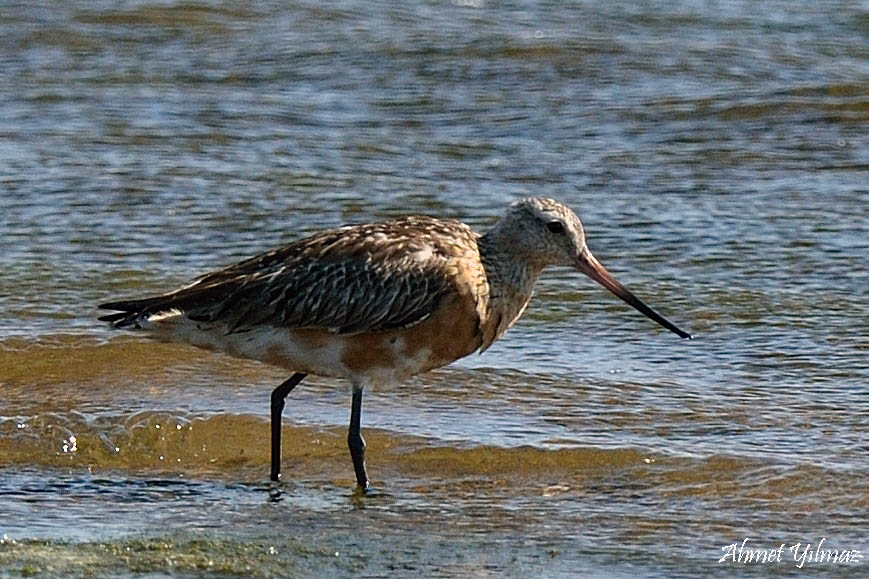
547 232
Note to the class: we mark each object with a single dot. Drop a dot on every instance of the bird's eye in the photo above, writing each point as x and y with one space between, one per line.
555 227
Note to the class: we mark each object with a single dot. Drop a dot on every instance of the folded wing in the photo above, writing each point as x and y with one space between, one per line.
352 279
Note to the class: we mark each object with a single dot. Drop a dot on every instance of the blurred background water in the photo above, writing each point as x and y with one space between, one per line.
716 151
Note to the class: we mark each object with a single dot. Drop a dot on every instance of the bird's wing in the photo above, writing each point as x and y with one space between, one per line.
352 279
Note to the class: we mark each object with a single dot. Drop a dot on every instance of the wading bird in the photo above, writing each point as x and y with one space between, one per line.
371 303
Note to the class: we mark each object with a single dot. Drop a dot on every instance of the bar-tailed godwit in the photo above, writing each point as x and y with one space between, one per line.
374 303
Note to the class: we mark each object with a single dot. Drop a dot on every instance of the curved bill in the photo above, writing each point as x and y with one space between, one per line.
590 266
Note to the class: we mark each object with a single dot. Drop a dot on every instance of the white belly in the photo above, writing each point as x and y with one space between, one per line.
311 352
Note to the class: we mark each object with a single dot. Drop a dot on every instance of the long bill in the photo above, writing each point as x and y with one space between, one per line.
590 266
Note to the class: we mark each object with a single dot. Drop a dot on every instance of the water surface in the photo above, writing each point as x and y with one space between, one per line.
716 151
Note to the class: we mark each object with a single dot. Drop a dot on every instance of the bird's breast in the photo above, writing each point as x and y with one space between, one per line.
450 332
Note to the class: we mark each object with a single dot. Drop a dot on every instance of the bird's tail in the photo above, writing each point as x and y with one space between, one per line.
129 313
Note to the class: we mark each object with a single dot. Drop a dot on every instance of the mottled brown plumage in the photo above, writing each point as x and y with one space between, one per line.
363 278
374 302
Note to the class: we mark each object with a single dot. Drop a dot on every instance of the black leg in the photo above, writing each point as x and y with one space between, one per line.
278 396
355 440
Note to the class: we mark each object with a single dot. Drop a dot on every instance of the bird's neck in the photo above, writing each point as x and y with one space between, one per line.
511 280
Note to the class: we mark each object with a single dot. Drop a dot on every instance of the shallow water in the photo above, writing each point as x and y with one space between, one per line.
717 153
